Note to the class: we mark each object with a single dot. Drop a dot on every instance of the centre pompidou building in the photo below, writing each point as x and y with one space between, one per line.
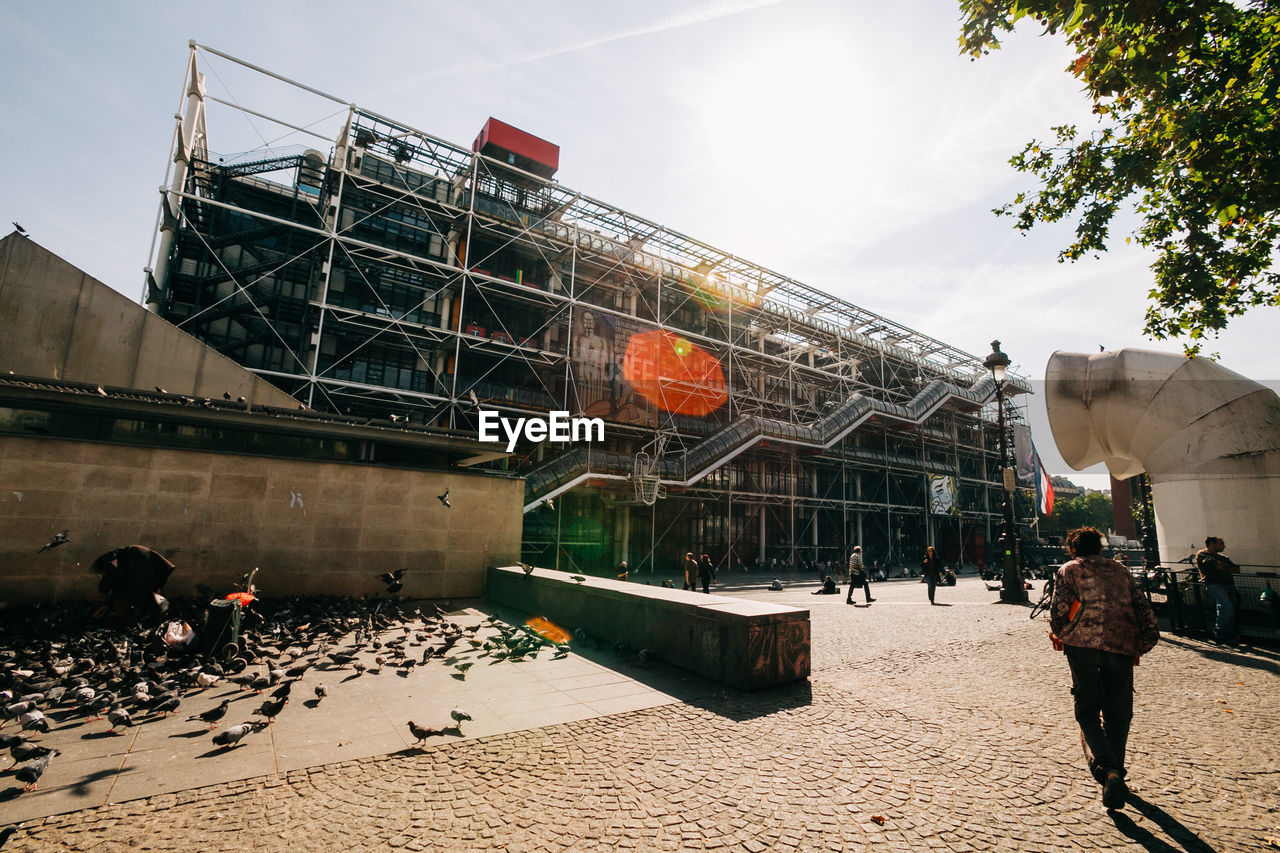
400 277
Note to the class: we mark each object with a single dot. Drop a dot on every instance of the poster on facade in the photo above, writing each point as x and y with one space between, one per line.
594 362
1024 453
942 495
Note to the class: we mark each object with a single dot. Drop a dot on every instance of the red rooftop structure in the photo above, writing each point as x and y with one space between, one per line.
515 147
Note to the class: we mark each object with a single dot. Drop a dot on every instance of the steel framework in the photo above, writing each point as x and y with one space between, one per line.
402 276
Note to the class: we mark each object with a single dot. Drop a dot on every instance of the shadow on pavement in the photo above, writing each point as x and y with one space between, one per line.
1253 659
740 706
1189 842
81 788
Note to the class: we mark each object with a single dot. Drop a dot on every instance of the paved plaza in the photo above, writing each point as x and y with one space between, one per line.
921 728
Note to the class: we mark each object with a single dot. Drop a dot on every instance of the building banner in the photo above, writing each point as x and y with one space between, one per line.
942 495
1024 453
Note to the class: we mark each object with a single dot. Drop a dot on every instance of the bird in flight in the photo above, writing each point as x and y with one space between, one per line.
444 499
58 539
20 230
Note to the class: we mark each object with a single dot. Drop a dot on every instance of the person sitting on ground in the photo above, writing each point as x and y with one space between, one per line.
828 588
775 585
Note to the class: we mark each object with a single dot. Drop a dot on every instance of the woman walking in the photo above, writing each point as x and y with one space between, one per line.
931 567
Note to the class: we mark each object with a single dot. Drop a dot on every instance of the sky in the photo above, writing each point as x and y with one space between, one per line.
847 145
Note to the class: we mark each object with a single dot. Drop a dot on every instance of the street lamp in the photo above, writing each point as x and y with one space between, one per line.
1011 589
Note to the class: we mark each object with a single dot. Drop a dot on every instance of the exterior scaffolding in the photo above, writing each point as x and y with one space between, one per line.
401 276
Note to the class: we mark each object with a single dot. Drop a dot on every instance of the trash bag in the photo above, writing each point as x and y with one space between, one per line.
178 635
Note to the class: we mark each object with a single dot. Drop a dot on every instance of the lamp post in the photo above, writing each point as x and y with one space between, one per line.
1011 589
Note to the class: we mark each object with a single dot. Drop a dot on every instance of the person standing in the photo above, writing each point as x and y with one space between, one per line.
857 576
690 572
1103 623
1216 570
706 573
931 566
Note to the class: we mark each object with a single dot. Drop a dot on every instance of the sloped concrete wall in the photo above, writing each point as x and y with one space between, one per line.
312 527
58 322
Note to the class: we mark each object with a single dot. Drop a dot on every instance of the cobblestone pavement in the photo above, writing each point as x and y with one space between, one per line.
951 724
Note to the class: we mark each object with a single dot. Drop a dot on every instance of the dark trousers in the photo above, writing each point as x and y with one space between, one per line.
1102 684
706 584
856 581
932 581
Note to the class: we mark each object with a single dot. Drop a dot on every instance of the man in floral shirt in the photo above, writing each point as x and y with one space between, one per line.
1103 622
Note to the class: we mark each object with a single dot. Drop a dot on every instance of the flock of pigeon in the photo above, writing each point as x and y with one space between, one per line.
57 673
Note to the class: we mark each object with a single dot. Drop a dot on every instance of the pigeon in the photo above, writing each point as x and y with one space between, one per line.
577 578
271 708
463 667
118 716
206 679
321 692
232 735
18 708
212 715
444 499
282 692
25 751
551 505
420 733
528 569
395 419
392 577
34 720
226 395
167 704
34 769
20 229
459 716
475 401
58 539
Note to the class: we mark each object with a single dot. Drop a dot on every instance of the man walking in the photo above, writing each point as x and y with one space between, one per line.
1216 569
857 575
1103 623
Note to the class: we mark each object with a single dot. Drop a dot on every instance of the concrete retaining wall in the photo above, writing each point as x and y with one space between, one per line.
746 644
312 527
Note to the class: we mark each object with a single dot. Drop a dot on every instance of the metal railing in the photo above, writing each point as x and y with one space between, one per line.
1178 595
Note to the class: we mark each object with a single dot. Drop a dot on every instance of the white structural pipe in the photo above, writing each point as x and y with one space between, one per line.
1208 439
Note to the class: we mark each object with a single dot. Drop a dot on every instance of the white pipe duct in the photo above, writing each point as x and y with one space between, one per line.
1208 439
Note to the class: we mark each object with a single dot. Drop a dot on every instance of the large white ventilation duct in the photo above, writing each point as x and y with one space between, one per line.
1208 438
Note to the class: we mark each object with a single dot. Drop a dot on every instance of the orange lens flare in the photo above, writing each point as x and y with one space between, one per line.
548 630
674 373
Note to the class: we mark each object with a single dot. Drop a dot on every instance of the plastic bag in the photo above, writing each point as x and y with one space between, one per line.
178 634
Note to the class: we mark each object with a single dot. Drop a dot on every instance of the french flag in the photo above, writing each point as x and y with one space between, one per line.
1044 488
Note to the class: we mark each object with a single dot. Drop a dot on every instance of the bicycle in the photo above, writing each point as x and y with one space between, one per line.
1046 596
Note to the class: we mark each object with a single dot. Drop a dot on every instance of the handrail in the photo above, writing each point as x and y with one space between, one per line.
579 464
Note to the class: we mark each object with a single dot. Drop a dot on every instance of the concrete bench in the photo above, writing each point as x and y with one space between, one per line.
746 644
